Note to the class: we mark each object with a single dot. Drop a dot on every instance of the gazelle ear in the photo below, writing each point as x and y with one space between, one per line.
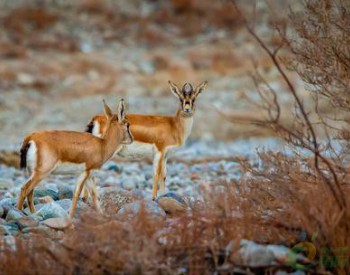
200 88
121 110
107 110
175 90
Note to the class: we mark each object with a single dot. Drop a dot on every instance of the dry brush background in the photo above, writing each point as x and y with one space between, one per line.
60 58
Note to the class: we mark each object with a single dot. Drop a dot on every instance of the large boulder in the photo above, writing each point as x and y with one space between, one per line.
131 210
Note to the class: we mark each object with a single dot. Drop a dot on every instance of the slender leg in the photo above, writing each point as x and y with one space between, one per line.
157 165
31 201
95 196
31 194
28 187
155 175
86 193
163 175
78 190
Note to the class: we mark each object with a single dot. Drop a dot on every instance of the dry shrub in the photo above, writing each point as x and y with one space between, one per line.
310 185
24 19
201 242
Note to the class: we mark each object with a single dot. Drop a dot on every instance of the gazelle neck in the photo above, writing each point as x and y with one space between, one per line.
111 140
184 123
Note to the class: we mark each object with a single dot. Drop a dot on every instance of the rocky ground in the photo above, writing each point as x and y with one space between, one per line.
191 170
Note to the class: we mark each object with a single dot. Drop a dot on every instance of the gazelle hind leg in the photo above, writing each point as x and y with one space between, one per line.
78 190
27 188
31 201
31 194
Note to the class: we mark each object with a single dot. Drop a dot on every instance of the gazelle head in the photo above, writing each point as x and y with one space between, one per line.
187 96
118 121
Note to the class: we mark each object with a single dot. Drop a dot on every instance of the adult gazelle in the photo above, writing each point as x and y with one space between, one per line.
44 151
155 135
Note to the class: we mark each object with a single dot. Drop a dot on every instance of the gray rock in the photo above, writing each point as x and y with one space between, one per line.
65 204
113 167
45 191
6 184
26 221
129 185
65 191
172 203
2 211
37 208
12 228
14 214
57 223
132 210
4 230
8 203
51 210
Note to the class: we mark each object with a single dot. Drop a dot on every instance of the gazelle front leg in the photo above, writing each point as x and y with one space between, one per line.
163 174
157 166
78 190
92 191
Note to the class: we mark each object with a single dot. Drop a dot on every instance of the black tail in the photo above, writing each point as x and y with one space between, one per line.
24 151
89 127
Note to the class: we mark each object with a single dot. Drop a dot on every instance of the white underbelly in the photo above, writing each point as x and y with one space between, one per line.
137 150
69 168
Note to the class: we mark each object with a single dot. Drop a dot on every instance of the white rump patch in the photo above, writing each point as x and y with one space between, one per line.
31 155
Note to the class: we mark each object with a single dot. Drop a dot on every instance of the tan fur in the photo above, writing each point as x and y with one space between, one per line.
56 147
163 132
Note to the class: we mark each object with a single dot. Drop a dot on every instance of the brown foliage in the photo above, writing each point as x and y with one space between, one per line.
204 241
25 19
314 188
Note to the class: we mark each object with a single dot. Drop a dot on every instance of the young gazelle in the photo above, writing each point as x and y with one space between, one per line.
155 135
42 152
